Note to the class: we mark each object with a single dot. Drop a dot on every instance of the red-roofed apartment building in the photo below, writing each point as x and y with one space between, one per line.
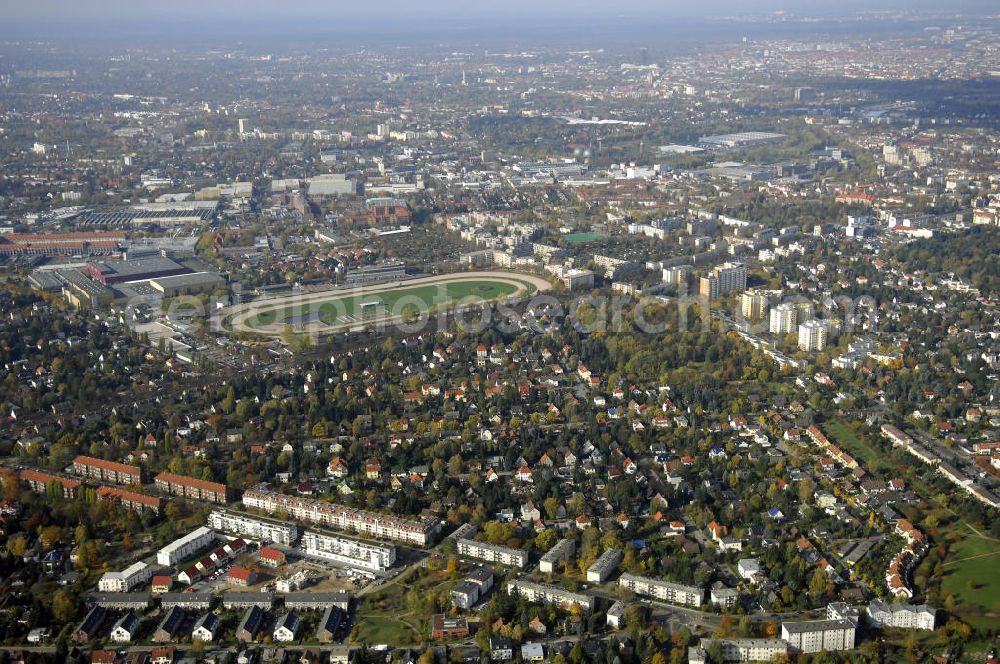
190 487
110 471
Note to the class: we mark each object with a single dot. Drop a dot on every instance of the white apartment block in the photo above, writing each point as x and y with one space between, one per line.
370 524
563 550
810 636
185 547
125 580
604 566
493 553
784 318
545 594
904 616
254 528
813 335
679 274
674 593
362 555
747 650
575 279
753 304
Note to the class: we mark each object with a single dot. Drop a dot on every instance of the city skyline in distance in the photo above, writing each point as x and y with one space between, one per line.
111 11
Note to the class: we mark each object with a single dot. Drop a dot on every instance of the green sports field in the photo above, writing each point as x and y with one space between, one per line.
576 238
348 308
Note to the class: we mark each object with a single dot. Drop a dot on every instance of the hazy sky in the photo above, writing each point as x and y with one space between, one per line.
389 10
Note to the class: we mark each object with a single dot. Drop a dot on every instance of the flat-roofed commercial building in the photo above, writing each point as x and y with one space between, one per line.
740 139
188 284
110 471
371 524
185 547
61 244
191 487
140 269
493 553
562 551
808 636
546 594
256 528
674 593
334 184
362 555
82 291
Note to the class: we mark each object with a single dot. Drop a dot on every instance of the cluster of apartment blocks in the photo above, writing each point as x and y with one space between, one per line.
836 633
787 317
948 471
367 523
362 555
39 483
493 553
169 483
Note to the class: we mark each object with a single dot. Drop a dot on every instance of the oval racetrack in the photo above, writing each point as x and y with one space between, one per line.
343 309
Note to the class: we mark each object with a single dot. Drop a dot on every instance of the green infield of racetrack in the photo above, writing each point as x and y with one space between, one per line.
423 299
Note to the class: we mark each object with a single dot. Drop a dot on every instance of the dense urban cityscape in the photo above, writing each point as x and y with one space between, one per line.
574 342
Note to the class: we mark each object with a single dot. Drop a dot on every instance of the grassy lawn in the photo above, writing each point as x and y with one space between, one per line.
374 630
420 298
841 434
384 616
576 238
970 574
